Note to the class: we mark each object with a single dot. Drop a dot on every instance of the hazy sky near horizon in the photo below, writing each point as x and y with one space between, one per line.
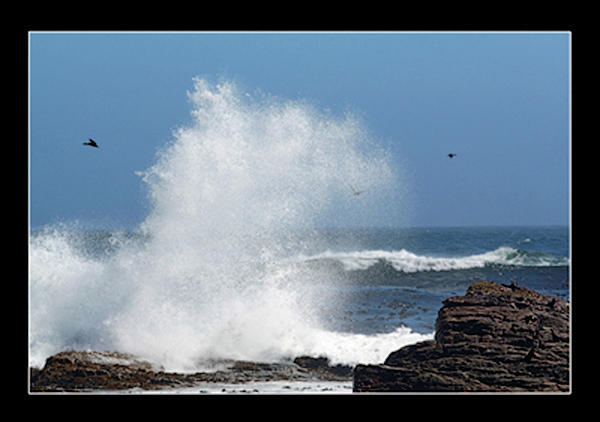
500 101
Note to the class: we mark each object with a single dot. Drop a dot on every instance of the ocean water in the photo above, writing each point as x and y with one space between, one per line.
355 297
232 261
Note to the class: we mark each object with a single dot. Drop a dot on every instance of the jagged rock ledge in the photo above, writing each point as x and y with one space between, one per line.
79 371
495 338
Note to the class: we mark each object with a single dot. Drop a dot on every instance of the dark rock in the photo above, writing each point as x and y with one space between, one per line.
91 370
494 338
78 370
310 362
321 365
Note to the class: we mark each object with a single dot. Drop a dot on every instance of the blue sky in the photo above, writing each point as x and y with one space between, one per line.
500 101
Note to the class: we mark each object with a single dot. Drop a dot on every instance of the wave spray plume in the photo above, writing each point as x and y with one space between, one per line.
229 196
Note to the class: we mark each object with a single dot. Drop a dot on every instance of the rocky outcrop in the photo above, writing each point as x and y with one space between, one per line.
323 367
494 338
80 371
91 370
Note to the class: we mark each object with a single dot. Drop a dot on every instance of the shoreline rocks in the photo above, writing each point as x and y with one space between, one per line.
81 371
494 338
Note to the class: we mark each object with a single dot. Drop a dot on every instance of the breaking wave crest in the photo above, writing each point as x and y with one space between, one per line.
408 262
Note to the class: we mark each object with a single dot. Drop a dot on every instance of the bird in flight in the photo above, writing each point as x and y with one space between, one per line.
355 191
451 155
92 143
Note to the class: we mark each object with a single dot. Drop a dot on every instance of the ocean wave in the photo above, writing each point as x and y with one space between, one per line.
409 262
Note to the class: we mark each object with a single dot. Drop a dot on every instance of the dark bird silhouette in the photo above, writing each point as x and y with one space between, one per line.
92 143
451 155
355 191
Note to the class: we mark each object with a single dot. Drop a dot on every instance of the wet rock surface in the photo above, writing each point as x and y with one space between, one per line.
80 371
494 338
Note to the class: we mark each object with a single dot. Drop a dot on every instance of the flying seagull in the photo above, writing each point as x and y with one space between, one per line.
355 191
92 143
451 155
